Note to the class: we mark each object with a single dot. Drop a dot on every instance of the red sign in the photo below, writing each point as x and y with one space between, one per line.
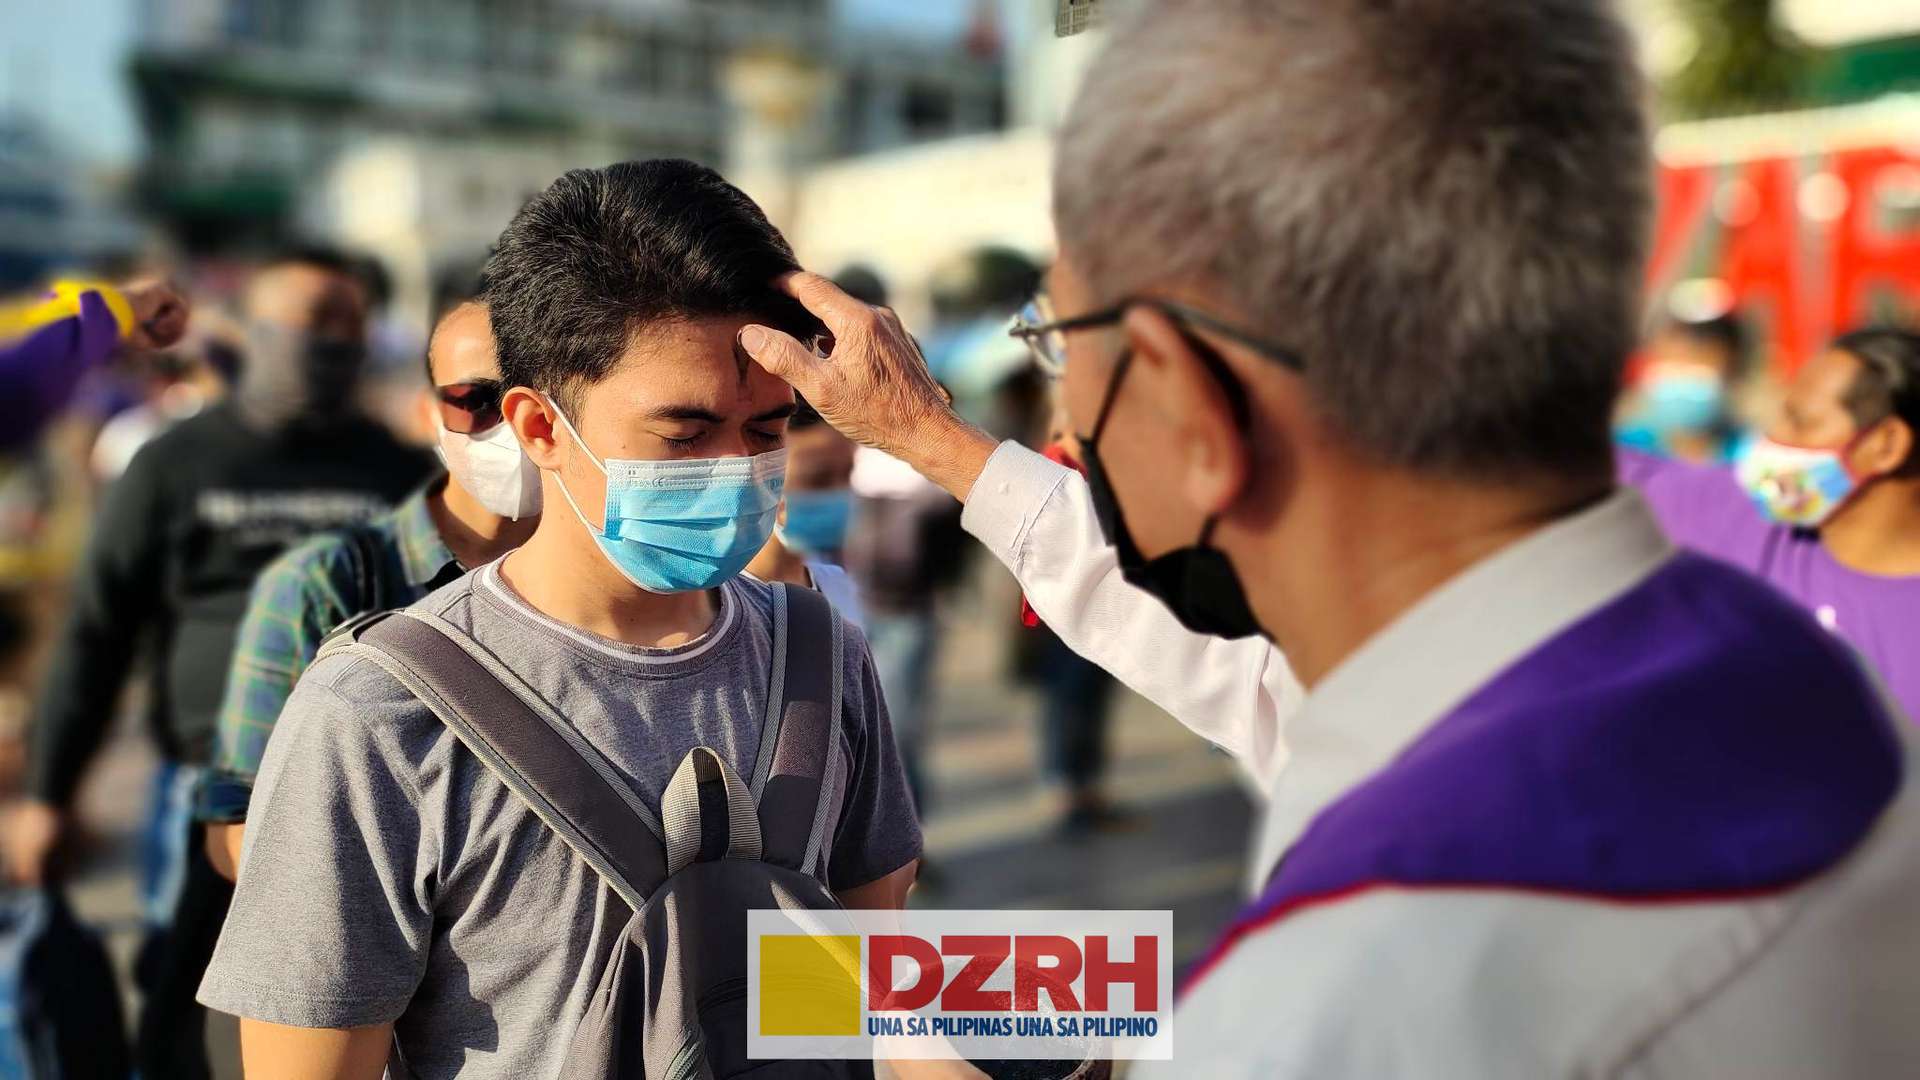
1799 241
1046 963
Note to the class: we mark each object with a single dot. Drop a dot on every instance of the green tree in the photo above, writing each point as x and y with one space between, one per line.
1745 61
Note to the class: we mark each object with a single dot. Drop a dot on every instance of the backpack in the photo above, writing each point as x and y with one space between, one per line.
672 1004
59 1005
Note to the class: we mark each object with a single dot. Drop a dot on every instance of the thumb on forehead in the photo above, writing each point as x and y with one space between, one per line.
779 353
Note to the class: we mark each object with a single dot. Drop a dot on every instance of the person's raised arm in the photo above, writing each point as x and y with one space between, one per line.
1037 518
48 346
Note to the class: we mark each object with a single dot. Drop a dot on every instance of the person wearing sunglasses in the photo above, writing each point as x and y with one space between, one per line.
1343 298
173 547
484 505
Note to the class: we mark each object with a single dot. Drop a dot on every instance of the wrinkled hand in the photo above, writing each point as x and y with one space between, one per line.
33 831
159 313
874 387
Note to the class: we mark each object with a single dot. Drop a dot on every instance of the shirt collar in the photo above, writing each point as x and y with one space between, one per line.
1431 658
424 556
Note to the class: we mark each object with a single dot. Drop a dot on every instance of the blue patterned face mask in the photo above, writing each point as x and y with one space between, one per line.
1796 485
682 525
816 521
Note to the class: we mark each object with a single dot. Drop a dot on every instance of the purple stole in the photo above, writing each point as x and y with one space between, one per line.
1697 738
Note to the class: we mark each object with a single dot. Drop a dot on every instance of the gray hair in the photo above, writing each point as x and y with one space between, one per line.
1441 205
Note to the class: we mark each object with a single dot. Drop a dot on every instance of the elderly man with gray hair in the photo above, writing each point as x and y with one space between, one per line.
1342 301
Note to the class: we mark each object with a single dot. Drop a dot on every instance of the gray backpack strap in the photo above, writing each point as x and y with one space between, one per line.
707 813
520 739
802 720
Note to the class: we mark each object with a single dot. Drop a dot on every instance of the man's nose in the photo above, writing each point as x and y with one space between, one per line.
732 443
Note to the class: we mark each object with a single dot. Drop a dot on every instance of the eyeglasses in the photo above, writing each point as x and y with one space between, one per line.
1046 336
469 408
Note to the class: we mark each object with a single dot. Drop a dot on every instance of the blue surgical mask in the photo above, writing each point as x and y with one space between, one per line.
686 524
816 521
1675 403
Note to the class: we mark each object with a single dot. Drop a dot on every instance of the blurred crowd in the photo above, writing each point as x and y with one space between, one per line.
187 430
193 425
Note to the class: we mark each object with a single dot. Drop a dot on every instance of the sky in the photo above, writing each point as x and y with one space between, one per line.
921 16
72 75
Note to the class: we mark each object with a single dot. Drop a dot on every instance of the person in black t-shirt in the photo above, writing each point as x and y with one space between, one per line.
174 549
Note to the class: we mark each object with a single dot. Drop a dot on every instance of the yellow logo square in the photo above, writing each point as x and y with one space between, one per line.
809 984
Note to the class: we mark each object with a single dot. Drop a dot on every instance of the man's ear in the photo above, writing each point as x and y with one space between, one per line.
534 424
1212 456
1885 449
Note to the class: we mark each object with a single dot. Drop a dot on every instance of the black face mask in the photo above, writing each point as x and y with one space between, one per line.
1198 584
291 378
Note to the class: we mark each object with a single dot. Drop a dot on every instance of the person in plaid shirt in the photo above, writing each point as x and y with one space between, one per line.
428 540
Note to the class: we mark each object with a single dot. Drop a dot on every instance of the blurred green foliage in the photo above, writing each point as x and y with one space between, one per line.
1745 61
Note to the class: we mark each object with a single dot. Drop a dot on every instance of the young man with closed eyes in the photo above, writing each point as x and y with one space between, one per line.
396 903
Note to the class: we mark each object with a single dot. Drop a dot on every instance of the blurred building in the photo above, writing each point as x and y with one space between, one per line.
54 213
34 201
1838 165
907 211
416 127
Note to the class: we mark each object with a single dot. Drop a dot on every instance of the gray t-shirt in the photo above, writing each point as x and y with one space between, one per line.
388 876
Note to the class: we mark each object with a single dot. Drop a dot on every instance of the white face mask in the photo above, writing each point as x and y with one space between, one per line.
493 469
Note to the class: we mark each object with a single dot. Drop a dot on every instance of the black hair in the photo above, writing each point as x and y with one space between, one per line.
804 415
603 252
1888 384
322 256
456 282
373 277
863 283
1726 331
988 280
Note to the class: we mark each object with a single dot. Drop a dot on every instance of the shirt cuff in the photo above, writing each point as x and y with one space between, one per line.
234 995
70 292
222 798
1009 494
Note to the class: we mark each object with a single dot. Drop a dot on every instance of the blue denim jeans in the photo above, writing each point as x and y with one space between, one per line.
905 649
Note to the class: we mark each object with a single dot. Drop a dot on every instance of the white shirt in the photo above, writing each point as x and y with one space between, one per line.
1036 516
1821 980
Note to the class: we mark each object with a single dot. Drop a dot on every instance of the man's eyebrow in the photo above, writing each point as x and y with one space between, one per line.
682 412
696 412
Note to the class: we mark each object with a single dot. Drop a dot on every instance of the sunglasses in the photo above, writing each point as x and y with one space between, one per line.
469 408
